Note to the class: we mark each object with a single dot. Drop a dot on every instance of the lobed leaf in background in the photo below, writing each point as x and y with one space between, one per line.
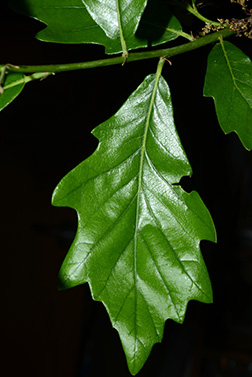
137 243
229 81
13 86
68 21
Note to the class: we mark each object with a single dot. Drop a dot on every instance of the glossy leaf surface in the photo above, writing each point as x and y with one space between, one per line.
68 21
13 86
116 17
229 81
138 236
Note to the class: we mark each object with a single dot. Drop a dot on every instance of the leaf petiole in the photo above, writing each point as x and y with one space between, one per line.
26 79
2 77
194 10
125 53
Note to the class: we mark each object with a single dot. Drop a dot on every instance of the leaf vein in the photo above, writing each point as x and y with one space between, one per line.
231 72
123 303
152 166
148 309
103 236
113 267
175 254
111 170
157 268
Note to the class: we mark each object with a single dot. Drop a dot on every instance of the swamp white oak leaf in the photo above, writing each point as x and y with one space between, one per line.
138 236
229 81
68 21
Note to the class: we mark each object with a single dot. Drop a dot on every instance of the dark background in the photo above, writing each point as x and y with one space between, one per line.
45 132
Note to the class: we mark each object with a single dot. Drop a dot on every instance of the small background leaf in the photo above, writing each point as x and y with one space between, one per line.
138 236
229 81
12 92
70 22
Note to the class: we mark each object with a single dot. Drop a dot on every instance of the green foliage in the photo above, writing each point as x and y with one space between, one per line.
14 84
138 237
70 22
229 81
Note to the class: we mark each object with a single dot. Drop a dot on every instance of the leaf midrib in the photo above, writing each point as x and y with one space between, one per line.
123 43
231 72
141 163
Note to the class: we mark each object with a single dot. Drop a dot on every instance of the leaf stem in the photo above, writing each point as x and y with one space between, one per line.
168 53
26 79
193 10
196 13
123 42
2 76
181 34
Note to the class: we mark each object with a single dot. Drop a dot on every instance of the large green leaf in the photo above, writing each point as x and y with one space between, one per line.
68 21
229 81
138 236
13 86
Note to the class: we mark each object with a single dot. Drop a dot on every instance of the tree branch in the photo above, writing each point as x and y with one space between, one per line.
167 53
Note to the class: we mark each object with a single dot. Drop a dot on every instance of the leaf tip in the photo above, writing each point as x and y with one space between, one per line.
61 285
